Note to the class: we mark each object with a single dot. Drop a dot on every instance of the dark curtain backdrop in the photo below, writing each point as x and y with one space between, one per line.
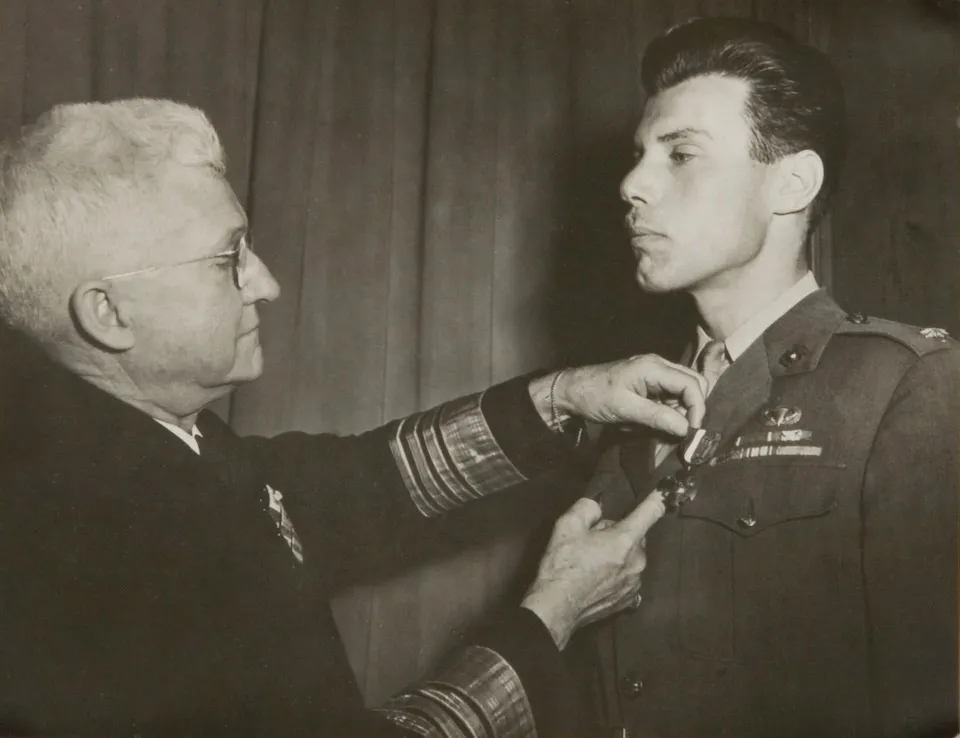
434 183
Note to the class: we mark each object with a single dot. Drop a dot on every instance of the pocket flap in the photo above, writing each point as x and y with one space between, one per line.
752 498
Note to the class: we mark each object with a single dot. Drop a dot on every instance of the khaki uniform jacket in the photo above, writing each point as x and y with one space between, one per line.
810 589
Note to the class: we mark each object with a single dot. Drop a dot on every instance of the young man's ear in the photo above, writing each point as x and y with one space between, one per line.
799 179
99 316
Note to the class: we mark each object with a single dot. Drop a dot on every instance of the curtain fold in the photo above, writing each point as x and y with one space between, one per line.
337 208
203 52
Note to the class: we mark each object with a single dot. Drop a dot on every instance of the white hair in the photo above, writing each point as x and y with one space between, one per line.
73 184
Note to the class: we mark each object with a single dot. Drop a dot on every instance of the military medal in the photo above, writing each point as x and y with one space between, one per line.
699 446
678 489
284 525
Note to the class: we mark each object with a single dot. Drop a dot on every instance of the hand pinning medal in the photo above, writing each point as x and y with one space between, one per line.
697 448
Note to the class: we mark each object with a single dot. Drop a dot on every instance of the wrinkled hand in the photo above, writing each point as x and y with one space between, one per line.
591 568
646 390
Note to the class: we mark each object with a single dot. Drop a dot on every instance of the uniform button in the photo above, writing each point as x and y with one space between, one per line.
747 521
858 318
631 685
791 356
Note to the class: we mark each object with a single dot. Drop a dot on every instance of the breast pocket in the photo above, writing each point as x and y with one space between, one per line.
751 496
762 541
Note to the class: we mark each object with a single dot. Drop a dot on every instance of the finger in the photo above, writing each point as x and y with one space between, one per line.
695 419
636 596
603 524
643 516
653 414
691 403
628 599
666 377
582 515
681 368
693 398
663 378
696 405
675 404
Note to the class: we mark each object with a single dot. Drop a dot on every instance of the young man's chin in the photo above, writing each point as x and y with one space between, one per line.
654 284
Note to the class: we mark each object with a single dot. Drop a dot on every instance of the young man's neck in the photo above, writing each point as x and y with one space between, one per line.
733 298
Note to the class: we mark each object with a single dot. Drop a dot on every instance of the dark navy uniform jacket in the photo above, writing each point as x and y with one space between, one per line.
145 590
810 589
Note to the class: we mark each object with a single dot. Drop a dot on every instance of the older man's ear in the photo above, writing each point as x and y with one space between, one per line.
99 317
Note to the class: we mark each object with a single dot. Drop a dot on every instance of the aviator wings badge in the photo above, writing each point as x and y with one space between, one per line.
778 417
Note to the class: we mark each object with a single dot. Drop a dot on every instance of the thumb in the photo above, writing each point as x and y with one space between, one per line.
643 516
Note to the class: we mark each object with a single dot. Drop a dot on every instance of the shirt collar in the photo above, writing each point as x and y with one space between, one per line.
741 339
188 438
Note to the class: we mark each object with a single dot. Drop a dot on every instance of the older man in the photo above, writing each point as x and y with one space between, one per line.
162 575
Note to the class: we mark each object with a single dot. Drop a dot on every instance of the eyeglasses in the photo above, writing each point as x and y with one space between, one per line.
237 255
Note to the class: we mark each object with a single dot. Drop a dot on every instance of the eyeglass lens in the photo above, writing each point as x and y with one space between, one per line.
240 261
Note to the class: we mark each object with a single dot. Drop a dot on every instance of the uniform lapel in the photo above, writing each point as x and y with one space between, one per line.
740 392
795 343
219 451
638 456
792 345
636 459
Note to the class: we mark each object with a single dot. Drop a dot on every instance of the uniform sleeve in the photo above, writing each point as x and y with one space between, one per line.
609 485
909 544
513 685
468 448
360 503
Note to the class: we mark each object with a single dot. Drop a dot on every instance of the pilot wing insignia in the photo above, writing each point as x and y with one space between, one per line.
780 416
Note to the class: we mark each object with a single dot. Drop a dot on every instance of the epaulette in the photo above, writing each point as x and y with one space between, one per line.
920 341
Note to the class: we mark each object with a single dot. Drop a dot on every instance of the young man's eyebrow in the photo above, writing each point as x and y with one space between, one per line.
682 133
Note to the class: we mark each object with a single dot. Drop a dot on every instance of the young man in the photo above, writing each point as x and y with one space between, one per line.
809 586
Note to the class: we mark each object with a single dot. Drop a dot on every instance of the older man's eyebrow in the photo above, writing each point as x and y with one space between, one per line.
233 237
682 133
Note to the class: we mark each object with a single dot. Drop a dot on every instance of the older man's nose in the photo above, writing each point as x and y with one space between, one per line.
261 285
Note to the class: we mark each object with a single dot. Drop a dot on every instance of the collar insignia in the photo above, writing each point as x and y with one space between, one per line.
937 334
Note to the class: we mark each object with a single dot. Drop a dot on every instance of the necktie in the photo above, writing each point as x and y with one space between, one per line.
711 363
